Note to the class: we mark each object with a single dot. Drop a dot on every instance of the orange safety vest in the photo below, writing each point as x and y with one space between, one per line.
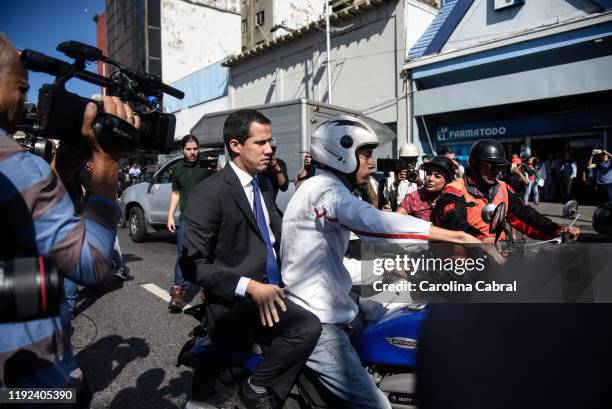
474 204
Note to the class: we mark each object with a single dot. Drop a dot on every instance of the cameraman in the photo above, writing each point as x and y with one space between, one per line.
39 219
276 172
406 180
307 171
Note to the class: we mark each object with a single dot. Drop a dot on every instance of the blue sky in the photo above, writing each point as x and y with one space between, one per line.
42 24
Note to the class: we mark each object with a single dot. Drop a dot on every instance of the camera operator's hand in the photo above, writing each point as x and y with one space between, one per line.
399 176
112 106
307 161
72 156
273 161
105 166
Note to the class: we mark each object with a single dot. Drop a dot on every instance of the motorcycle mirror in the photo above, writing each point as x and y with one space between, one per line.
487 213
570 209
498 219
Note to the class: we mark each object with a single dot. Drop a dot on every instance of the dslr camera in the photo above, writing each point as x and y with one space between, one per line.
59 114
396 165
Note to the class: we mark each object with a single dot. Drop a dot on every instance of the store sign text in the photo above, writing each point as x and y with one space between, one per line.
446 134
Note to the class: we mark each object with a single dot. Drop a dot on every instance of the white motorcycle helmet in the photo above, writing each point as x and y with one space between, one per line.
335 142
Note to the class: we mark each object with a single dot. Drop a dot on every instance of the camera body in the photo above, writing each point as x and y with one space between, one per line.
60 116
413 175
389 165
209 162
396 165
60 113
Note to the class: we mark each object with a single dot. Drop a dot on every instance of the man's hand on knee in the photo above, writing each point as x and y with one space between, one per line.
265 297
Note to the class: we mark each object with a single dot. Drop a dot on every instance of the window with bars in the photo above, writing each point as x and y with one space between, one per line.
260 17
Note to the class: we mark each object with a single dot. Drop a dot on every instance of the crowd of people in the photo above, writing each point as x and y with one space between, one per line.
561 178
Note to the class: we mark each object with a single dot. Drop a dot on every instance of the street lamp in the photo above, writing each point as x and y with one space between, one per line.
327 37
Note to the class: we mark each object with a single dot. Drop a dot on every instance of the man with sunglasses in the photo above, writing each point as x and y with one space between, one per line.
461 203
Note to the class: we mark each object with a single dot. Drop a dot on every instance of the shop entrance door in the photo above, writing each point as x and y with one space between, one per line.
579 147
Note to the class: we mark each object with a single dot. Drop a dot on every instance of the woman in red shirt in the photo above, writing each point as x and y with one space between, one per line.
438 172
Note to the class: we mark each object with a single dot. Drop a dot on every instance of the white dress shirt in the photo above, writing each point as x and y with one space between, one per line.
403 188
317 225
245 181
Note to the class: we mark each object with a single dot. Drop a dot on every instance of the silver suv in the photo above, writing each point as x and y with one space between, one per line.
144 206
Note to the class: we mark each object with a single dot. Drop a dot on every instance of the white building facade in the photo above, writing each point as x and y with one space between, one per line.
368 48
196 37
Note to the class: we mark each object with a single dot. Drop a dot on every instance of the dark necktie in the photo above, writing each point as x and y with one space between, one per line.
271 265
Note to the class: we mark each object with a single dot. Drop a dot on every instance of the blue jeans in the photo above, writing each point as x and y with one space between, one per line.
178 273
531 187
71 289
338 367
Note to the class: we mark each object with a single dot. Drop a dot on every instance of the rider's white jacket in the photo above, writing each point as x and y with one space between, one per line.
316 229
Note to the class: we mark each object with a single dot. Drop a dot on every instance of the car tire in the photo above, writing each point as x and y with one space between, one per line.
137 225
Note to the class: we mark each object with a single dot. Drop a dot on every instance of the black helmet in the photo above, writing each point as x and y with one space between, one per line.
602 219
444 163
488 150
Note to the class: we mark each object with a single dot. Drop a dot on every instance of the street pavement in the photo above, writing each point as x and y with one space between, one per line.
125 340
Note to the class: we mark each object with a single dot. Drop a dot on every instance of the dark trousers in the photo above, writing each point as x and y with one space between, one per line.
286 346
566 189
607 187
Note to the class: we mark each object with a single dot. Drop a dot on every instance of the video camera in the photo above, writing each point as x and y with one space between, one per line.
30 288
60 113
395 165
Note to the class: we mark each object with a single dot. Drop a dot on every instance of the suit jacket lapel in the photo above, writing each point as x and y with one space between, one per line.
237 192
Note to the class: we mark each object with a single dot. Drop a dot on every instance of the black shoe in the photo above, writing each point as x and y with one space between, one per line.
123 274
247 398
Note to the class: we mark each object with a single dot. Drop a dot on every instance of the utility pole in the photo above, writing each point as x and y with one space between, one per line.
327 31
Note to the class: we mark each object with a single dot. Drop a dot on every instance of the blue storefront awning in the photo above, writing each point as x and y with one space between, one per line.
542 125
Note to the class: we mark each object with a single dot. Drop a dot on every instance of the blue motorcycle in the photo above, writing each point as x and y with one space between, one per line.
387 347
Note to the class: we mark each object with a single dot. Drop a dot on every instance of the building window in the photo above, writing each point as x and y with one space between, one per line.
244 26
261 18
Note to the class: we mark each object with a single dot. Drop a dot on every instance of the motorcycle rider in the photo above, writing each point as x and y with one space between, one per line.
316 228
461 203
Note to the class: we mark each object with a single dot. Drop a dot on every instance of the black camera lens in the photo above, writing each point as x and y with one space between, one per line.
30 288
413 176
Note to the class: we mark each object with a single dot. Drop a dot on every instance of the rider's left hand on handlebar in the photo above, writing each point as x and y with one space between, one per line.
574 232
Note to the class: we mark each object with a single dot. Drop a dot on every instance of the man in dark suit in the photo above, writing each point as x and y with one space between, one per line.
232 237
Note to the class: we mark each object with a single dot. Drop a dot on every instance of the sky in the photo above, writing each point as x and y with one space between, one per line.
42 24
